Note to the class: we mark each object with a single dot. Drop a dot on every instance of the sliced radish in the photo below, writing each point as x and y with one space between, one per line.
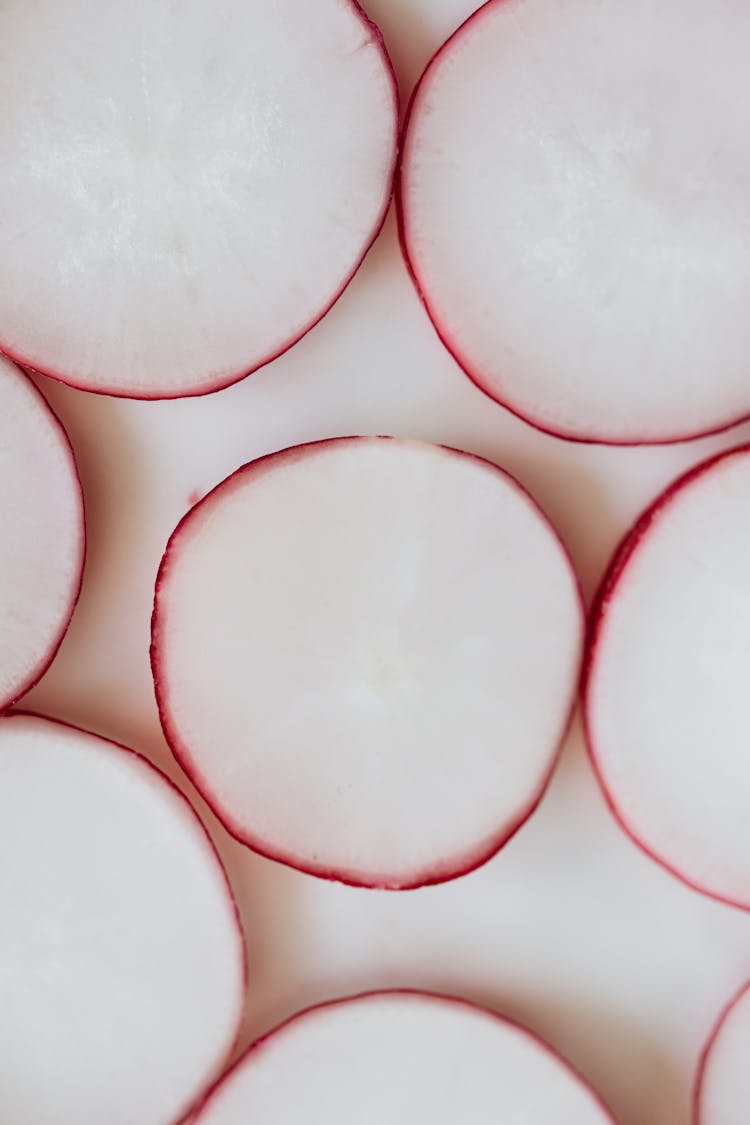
185 188
43 540
121 956
575 205
667 705
401 1057
723 1089
365 653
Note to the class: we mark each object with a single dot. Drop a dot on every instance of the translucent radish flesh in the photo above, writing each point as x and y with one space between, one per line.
401 1058
185 188
42 543
667 703
121 963
576 202
723 1092
365 654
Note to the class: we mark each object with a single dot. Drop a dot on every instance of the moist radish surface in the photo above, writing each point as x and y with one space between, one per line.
404 1058
667 705
185 188
43 539
575 203
121 957
365 654
723 1089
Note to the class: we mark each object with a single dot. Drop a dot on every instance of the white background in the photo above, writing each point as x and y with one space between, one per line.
570 929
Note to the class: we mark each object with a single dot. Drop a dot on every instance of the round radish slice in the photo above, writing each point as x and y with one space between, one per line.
185 188
43 540
723 1089
121 956
575 201
365 653
667 705
397 1056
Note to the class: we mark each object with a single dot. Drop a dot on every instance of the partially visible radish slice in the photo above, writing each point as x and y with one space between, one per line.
365 654
401 1057
667 704
722 1094
185 188
575 206
43 539
121 957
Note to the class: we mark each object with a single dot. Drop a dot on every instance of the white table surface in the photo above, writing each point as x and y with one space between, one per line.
570 929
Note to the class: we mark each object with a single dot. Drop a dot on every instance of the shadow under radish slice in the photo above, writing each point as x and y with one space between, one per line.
722 1092
575 200
417 1057
121 955
667 706
42 544
185 188
365 653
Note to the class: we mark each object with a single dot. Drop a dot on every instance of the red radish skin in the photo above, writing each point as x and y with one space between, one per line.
669 434
184 1114
57 635
443 1003
36 362
700 1116
627 549
451 867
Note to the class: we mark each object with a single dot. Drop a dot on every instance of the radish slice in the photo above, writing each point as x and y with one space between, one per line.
723 1089
185 188
365 653
43 541
406 1057
575 206
667 705
121 956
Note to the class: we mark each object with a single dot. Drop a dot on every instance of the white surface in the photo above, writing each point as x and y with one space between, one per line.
667 703
367 653
577 202
570 929
725 1085
185 187
405 1060
121 968
41 542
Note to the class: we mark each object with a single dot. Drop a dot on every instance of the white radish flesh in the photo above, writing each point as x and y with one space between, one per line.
575 206
365 653
185 188
723 1089
121 957
401 1057
43 540
667 705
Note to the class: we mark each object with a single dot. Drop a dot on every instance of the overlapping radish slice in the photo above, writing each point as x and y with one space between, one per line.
365 653
401 1057
121 956
575 202
185 188
723 1090
43 540
667 705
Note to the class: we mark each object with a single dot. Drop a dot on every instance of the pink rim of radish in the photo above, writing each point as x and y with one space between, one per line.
664 517
711 1058
97 758
344 772
440 1015
372 130
526 38
41 445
